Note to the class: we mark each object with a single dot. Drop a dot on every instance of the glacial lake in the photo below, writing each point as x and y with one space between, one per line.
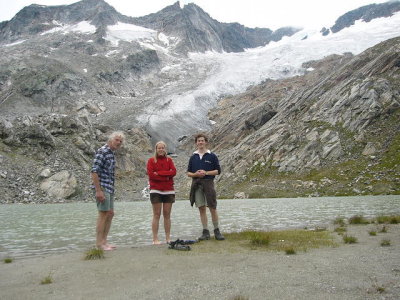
30 230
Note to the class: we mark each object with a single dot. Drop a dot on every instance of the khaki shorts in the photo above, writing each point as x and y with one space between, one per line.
107 204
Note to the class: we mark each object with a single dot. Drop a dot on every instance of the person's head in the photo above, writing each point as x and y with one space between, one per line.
201 140
115 140
160 149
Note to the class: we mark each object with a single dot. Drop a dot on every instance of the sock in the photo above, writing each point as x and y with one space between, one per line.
215 225
205 226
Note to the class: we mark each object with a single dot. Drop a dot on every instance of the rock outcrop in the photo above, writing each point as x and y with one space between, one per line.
337 124
48 158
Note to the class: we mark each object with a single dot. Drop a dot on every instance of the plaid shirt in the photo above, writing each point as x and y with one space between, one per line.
104 166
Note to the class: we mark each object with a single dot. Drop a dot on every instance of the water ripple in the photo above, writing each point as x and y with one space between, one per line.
28 230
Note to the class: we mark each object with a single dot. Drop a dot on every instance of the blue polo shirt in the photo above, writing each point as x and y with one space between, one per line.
208 162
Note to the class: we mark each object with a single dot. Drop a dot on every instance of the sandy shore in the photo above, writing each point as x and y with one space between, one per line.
364 270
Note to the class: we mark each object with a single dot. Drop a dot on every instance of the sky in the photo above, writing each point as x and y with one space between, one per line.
271 14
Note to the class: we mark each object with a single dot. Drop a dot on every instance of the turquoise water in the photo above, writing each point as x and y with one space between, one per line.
28 230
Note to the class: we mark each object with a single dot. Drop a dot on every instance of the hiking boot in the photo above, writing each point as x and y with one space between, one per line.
218 235
205 235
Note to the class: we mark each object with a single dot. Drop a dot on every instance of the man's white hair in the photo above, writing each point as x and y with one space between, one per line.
116 134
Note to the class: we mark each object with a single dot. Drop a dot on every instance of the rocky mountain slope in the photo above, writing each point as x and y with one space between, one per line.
333 131
69 75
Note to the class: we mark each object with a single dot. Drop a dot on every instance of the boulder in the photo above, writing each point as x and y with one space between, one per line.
61 185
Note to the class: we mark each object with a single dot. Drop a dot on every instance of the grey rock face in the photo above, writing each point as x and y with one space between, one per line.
198 32
331 116
48 157
366 13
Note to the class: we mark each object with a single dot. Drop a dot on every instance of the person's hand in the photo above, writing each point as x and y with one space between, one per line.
200 173
100 196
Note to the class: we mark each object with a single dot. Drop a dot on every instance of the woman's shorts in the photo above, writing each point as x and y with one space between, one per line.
160 198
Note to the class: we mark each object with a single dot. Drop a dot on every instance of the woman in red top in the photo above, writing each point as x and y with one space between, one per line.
161 170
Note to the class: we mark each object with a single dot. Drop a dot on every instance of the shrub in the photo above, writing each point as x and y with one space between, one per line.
8 260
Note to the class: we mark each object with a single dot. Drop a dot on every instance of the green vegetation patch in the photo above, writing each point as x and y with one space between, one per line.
8 260
388 219
358 220
286 240
348 239
385 243
47 280
94 253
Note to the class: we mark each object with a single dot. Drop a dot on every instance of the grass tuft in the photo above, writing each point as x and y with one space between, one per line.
339 221
385 243
358 220
383 229
372 233
348 239
380 289
47 280
340 230
290 251
8 260
94 253
260 239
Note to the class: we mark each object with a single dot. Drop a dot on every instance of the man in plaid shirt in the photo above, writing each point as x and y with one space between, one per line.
103 178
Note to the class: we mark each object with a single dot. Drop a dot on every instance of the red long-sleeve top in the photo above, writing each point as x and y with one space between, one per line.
161 173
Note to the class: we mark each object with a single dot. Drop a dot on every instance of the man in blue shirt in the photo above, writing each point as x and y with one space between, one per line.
202 168
103 178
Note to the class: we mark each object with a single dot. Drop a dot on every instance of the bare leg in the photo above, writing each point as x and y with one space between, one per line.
167 220
214 215
100 228
203 216
109 217
155 222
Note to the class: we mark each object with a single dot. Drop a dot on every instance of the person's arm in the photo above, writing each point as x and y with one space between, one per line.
98 162
152 173
217 166
169 173
96 182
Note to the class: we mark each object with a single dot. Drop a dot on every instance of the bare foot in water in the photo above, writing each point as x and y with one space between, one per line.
106 248
157 242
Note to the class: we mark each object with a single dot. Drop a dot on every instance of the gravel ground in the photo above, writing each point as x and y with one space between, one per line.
364 270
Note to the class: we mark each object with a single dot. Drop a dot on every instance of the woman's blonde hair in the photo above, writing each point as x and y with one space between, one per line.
155 150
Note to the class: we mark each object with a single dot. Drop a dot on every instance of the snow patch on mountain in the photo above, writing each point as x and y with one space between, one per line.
82 27
128 33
